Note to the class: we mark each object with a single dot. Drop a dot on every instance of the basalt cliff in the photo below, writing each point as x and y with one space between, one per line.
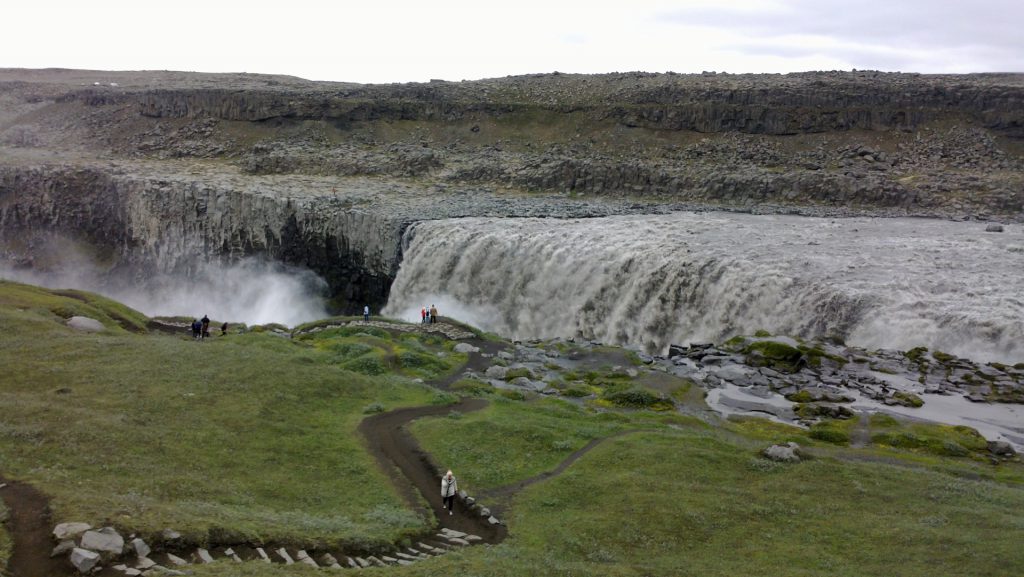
155 171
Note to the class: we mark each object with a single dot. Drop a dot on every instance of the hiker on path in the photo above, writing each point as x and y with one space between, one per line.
423 315
224 329
449 487
196 328
206 326
366 313
433 314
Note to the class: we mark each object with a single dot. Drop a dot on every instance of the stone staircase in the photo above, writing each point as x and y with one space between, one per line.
138 559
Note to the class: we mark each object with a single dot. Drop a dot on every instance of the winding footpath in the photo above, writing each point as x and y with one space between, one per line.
415 475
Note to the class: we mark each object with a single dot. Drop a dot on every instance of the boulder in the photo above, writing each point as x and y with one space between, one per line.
85 324
84 560
70 530
466 348
63 547
496 372
783 453
141 549
1001 448
994 228
106 540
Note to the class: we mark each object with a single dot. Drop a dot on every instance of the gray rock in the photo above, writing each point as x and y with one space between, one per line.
466 348
141 549
105 540
263 555
174 559
285 556
1001 448
493 520
170 535
86 324
994 228
505 355
63 547
70 530
145 563
203 556
452 532
783 453
496 372
304 557
84 560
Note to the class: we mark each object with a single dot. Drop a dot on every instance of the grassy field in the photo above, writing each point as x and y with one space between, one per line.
691 500
253 436
250 435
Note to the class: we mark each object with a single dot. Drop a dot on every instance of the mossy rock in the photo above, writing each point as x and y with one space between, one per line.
908 399
519 372
800 397
636 398
774 354
917 354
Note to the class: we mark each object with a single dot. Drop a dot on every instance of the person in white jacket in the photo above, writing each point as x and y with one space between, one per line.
449 487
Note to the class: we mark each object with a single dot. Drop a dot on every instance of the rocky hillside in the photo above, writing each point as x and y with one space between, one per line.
316 173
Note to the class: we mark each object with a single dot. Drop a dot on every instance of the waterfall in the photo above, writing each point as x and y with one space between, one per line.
648 281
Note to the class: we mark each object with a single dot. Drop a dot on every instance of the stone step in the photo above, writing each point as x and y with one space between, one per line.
230 553
352 563
203 556
304 557
263 555
328 560
362 562
376 561
175 560
284 556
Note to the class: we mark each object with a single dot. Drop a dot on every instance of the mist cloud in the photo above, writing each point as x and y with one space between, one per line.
250 291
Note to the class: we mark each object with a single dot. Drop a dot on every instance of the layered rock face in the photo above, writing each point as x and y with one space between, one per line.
158 168
164 223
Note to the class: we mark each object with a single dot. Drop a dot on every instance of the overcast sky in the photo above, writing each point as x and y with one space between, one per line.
416 40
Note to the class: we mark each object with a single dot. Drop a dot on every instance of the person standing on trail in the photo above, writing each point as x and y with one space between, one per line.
423 315
196 328
366 313
224 329
206 326
433 314
449 487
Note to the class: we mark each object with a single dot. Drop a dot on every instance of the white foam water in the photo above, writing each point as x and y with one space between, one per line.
648 281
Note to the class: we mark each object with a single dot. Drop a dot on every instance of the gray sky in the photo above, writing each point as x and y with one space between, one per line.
416 40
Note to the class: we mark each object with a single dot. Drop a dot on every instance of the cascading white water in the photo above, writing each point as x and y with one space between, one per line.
648 281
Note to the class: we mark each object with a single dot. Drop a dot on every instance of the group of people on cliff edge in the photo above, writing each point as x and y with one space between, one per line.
428 316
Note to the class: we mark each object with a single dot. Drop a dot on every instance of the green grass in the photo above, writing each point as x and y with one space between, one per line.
253 436
509 441
248 435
